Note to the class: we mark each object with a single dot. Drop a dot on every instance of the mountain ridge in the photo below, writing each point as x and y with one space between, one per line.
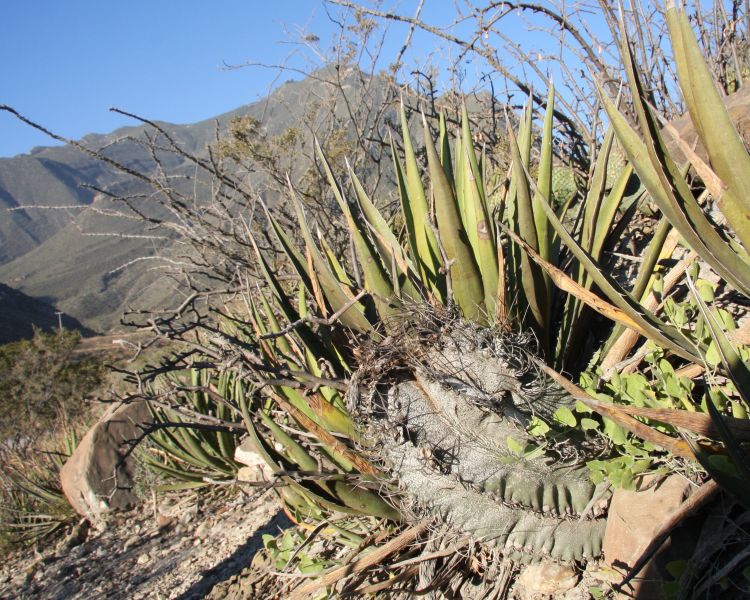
62 255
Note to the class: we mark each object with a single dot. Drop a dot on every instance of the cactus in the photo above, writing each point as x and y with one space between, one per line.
441 431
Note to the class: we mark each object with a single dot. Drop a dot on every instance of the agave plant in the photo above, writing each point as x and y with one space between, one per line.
180 449
722 248
35 507
419 382
413 377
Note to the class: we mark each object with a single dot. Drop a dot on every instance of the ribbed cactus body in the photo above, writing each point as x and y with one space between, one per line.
442 433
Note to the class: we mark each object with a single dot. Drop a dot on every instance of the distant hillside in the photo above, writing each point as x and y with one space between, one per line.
52 254
20 314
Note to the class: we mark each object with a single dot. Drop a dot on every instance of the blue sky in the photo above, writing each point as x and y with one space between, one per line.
64 63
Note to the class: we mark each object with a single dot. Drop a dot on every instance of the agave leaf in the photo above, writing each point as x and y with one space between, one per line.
445 151
225 439
295 258
337 295
282 342
365 501
391 251
533 280
723 144
501 303
459 175
333 262
196 396
667 186
466 279
377 281
736 368
295 450
654 253
544 182
596 192
525 133
415 208
475 217
468 148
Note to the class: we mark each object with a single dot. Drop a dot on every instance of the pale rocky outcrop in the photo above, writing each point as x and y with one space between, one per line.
92 479
255 468
545 579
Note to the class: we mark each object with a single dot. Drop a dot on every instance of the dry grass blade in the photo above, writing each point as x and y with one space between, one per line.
325 437
569 285
699 423
371 559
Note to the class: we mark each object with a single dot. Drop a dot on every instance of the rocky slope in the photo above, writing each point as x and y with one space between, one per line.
72 256
178 547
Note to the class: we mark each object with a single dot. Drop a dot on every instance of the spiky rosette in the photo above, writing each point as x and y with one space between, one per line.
447 409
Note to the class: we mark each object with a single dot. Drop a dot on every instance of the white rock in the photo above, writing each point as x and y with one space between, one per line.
545 579
255 468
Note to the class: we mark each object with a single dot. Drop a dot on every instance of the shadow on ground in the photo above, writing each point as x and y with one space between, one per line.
234 564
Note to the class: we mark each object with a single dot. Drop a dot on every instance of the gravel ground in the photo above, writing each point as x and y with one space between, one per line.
178 547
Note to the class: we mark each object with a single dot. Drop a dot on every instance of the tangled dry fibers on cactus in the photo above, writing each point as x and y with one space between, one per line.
440 397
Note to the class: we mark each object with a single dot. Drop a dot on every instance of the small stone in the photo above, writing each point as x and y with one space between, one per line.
78 552
131 541
143 559
76 537
544 579
189 514
201 531
249 474
164 521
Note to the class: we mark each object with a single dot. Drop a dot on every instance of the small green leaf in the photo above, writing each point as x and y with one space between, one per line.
589 424
537 427
713 356
706 290
617 434
514 445
565 416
